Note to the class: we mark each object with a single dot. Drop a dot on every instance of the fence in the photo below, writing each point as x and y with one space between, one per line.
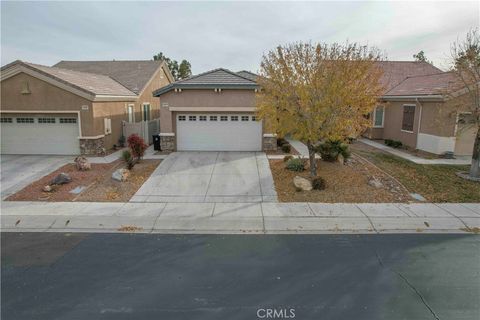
145 129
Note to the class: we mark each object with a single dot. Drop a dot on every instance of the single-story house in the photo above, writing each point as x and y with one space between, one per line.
75 107
415 110
212 111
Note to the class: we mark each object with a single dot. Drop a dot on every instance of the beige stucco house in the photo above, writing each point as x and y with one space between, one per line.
417 109
212 111
75 107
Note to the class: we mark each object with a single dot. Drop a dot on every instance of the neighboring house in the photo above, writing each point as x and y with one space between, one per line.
415 111
75 107
212 111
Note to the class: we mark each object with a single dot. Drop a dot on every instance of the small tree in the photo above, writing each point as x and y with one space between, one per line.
420 56
318 92
137 145
182 71
466 65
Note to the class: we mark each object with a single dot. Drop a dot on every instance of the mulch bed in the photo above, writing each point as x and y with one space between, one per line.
279 151
344 183
98 180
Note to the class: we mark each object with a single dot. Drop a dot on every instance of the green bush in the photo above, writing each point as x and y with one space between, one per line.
128 158
318 183
331 149
286 158
393 143
295 165
286 148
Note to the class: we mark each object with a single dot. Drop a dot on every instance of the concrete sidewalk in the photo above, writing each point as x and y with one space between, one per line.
239 218
415 159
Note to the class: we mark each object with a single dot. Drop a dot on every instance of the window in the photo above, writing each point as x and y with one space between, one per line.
223 118
68 120
107 125
234 118
131 115
202 118
6 120
146 112
182 118
254 118
192 118
378 117
408 118
244 118
25 120
46 120
213 118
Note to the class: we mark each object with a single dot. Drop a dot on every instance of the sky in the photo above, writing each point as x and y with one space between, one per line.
231 35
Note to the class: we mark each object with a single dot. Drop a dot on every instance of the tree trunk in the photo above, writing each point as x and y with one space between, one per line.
311 158
475 167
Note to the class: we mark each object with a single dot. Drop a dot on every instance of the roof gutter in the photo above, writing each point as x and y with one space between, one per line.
172 86
416 98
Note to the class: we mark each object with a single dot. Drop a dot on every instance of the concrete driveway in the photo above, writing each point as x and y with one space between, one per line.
18 171
210 177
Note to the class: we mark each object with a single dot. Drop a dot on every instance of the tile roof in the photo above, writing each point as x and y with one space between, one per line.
434 84
247 74
132 74
95 84
217 78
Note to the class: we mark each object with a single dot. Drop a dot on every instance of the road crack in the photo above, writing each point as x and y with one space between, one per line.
417 292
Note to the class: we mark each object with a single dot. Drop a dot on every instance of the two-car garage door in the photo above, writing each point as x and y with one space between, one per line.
39 134
218 132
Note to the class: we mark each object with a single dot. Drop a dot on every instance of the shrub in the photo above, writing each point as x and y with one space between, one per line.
393 143
281 142
295 165
286 148
128 158
318 183
137 145
286 158
331 149
121 141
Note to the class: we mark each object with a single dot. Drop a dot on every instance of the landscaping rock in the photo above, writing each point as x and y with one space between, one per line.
375 183
82 163
302 183
47 188
340 159
62 178
120 175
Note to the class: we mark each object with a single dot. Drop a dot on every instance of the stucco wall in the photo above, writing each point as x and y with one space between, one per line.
392 126
44 97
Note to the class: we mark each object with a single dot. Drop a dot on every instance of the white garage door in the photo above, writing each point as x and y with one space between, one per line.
39 135
218 132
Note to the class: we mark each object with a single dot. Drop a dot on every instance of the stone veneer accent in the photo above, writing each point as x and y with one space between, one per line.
269 142
94 147
167 142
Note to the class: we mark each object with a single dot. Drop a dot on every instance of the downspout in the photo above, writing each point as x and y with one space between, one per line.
419 120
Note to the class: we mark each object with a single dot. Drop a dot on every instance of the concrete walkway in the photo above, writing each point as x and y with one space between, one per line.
415 159
239 218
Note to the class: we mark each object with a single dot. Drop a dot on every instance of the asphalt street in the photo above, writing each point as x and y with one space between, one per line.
152 276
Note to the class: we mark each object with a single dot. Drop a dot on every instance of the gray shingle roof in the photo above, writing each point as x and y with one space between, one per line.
95 84
247 74
132 74
217 78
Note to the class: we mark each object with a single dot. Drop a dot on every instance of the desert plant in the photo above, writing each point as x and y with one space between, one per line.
331 149
121 141
286 148
393 143
286 158
318 183
295 165
137 145
128 158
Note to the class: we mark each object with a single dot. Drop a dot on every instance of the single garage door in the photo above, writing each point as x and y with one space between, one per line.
218 132
39 135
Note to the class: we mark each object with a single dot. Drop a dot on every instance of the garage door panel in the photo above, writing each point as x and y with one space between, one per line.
219 135
40 138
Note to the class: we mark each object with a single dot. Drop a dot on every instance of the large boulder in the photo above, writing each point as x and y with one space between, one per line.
82 163
120 175
62 178
302 183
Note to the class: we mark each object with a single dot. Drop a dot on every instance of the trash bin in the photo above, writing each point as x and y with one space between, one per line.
156 142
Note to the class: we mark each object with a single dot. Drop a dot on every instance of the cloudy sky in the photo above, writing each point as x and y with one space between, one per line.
233 35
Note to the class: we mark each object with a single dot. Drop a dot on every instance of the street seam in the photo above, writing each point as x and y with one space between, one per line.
469 209
156 219
368 218
447 211
211 176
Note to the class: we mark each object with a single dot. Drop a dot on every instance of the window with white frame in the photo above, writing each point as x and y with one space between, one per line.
245 118
234 118
68 120
146 112
182 118
192 118
254 118
107 125
213 118
408 118
131 115
202 118
25 120
46 120
6 120
378 117
223 118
